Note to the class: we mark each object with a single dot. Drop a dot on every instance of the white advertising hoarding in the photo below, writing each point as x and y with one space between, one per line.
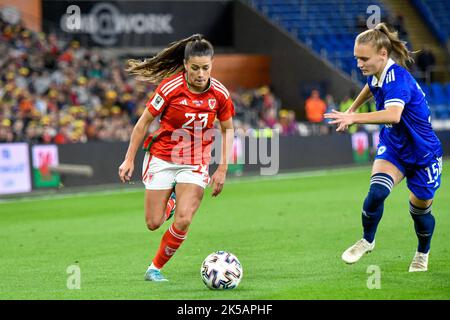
15 174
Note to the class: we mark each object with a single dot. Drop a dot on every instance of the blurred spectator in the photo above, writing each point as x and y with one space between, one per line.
347 101
315 107
288 124
270 118
424 61
6 134
331 105
398 24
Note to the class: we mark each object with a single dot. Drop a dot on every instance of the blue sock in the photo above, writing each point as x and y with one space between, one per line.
381 185
424 225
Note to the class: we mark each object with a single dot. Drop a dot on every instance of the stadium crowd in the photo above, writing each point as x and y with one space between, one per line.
57 92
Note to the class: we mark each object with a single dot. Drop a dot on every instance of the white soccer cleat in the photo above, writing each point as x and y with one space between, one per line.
356 251
419 262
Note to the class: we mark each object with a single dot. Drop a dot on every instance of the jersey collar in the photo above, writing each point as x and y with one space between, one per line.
379 82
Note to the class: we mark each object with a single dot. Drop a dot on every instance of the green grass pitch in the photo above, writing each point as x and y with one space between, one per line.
288 233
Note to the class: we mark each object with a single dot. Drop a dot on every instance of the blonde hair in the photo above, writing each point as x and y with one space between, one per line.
170 60
382 37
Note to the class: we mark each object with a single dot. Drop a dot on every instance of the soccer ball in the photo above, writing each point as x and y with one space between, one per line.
221 270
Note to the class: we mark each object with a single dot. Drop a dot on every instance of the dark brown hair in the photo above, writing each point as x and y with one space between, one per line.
170 60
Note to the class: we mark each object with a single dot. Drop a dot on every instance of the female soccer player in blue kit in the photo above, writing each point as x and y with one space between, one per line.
408 145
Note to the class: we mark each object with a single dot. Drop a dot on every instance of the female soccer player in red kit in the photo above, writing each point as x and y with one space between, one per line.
188 100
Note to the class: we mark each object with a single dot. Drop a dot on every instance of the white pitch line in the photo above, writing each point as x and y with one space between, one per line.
295 175
232 180
70 195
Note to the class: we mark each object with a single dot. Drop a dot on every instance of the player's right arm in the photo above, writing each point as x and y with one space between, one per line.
139 131
363 96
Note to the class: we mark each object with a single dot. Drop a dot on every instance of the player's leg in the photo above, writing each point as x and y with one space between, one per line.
156 207
385 175
190 182
420 211
159 180
189 197
423 184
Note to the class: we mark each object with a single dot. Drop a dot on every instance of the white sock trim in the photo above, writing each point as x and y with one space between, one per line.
152 266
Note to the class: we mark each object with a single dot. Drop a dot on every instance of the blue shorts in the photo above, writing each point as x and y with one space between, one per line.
421 181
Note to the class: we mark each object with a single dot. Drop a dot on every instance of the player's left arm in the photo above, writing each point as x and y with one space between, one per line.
218 178
391 115
396 95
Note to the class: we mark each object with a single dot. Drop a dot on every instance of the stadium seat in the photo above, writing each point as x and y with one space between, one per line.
327 26
435 13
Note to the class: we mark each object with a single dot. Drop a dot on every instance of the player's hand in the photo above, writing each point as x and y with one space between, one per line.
348 111
126 171
218 180
342 119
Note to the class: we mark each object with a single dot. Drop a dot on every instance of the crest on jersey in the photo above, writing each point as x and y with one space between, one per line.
212 103
381 150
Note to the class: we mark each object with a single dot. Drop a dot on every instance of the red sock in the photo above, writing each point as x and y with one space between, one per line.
170 242
169 207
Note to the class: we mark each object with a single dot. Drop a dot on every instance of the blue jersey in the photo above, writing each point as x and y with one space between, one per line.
412 139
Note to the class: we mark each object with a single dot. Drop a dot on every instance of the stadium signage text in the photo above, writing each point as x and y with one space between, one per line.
137 23
104 23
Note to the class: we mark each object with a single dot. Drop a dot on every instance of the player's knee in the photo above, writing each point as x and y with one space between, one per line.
381 185
183 217
153 224
422 216
183 222
375 198
377 194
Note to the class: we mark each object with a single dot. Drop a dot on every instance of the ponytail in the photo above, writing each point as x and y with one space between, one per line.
382 37
170 60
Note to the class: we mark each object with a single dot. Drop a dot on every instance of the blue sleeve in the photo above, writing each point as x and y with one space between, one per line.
396 89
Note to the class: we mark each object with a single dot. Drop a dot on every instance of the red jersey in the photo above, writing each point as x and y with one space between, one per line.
186 117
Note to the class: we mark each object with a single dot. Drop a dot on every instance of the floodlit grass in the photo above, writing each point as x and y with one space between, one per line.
287 232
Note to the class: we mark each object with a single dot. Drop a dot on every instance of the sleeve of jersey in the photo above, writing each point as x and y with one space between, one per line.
396 93
226 110
157 102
